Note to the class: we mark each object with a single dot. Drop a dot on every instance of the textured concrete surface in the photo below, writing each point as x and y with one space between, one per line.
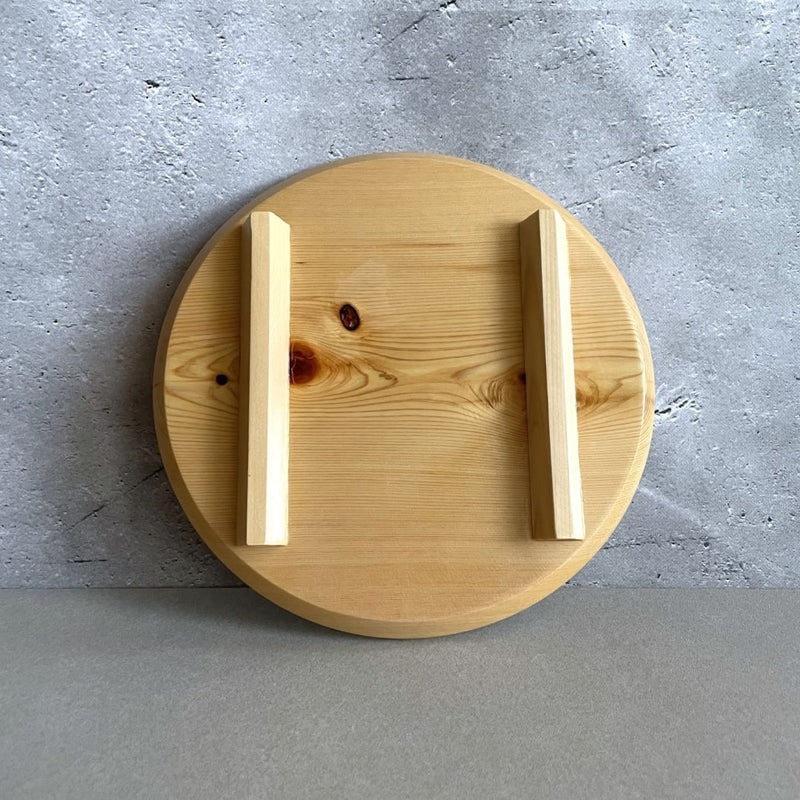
130 131
606 694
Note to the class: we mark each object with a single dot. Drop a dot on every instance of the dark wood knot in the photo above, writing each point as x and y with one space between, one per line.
349 317
303 363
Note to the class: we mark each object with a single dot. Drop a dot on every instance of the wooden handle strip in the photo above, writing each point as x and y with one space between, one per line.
263 508
555 478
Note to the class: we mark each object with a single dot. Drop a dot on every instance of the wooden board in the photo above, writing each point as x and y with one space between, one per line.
409 507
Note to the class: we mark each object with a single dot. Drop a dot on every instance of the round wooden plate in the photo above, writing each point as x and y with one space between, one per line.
409 500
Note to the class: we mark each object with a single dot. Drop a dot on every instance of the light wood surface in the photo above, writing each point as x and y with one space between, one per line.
409 494
263 513
555 472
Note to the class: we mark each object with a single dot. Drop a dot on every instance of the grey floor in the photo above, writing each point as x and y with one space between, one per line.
208 693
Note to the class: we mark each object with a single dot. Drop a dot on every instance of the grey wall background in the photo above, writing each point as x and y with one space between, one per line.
130 131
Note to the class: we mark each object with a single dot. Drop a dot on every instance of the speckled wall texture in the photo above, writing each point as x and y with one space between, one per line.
130 131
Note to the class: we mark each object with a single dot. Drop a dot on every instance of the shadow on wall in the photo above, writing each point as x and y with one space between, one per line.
127 527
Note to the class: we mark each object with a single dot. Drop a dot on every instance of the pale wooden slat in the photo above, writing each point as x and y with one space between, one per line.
263 516
555 477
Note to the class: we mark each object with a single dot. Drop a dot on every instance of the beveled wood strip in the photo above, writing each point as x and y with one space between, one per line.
555 475
263 486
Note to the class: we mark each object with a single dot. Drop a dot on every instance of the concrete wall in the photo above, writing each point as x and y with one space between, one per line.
130 131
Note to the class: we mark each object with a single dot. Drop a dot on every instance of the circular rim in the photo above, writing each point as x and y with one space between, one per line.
504 607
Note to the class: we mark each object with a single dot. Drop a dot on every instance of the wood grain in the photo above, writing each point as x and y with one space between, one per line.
555 477
263 483
409 500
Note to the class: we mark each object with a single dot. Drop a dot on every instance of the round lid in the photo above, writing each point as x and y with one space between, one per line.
409 497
